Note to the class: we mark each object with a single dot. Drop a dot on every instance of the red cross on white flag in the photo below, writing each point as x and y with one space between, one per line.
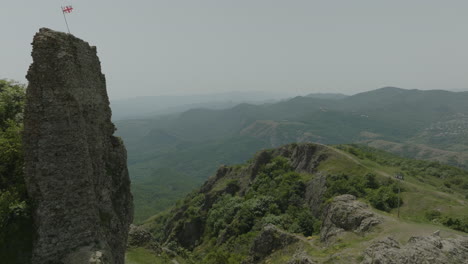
67 9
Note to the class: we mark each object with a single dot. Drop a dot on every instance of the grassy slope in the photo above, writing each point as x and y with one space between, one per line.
421 193
421 151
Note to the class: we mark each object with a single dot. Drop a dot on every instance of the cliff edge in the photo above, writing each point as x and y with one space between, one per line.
75 169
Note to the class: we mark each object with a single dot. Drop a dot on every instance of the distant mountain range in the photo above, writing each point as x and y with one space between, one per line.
185 148
332 96
149 106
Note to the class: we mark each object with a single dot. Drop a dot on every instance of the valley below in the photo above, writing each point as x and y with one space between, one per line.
183 150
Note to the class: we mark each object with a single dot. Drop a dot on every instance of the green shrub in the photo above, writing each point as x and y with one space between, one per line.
383 198
380 195
456 223
432 215
345 184
275 197
306 222
222 213
371 181
447 184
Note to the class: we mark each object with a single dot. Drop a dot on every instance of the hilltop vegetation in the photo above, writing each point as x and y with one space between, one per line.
429 125
15 219
290 188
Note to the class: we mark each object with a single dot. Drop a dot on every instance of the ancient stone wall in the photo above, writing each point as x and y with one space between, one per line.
75 168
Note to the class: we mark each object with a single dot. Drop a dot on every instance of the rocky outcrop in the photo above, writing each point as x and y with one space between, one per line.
270 239
315 191
345 213
418 250
75 169
140 237
301 258
304 158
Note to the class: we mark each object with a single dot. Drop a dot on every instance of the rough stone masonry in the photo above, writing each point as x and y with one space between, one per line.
75 169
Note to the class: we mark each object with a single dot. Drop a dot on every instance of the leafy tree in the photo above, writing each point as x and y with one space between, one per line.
383 198
15 220
11 102
380 195
371 181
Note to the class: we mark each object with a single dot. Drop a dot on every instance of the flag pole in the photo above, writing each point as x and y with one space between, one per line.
64 17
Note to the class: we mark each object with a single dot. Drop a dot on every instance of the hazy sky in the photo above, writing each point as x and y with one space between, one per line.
155 47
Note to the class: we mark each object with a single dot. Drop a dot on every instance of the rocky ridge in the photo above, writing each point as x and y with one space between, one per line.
418 250
304 158
75 169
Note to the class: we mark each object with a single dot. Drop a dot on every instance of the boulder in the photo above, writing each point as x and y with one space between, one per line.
345 213
139 237
270 239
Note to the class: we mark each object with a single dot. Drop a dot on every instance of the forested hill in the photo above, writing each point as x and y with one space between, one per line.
183 149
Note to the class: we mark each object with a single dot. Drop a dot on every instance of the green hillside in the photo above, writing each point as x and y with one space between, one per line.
430 125
290 188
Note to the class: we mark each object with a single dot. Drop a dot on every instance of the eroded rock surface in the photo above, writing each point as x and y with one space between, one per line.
418 250
301 258
140 237
345 213
270 239
75 169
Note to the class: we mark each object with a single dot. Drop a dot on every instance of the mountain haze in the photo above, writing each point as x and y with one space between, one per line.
429 125
147 106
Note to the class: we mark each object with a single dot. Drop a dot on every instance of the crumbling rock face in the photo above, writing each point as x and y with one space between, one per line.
304 157
315 191
418 250
75 169
345 213
301 258
140 237
270 239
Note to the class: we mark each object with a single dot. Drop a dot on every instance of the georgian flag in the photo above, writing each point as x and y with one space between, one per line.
67 9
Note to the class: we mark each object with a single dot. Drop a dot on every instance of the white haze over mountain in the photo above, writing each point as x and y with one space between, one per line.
153 48
151 106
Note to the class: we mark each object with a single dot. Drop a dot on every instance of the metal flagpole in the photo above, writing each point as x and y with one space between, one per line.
399 178
398 199
65 20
